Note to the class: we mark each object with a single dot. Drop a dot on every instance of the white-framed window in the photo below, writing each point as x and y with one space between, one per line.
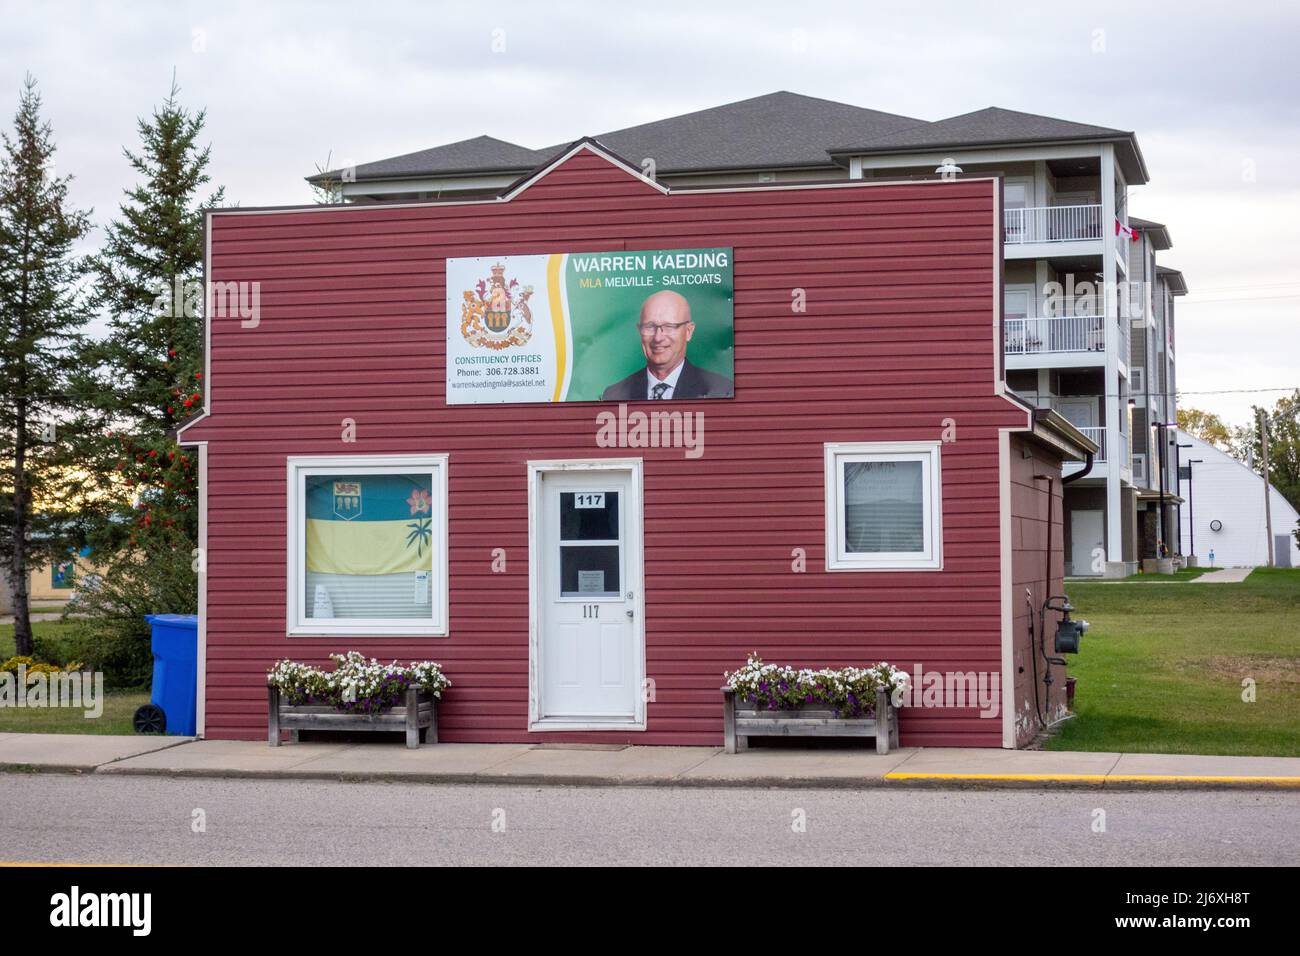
1135 385
884 506
367 545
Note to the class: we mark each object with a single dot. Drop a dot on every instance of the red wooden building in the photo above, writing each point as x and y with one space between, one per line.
895 358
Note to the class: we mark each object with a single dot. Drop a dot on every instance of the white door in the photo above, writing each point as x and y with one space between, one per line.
1015 199
1021 329
1087 542
588 551
1078 412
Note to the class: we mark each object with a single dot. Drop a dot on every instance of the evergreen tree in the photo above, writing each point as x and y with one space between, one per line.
144 379
41 317
150 274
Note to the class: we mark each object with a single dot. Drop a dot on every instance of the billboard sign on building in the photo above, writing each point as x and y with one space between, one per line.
587 327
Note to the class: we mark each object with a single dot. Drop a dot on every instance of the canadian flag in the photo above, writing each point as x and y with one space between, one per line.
1123 230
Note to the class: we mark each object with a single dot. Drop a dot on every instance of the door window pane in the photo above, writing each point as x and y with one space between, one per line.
589 516
589 570
884 507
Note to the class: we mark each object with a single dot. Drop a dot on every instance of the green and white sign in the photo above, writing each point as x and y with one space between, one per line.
587 327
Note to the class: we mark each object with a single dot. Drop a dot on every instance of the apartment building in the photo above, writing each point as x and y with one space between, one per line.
1088 313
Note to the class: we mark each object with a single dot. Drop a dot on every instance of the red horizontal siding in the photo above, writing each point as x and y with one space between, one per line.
897 337
1029 531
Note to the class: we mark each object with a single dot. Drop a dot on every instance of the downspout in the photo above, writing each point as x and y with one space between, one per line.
1081 473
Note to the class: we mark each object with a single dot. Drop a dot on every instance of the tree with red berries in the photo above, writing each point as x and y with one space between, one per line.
144 379
41 316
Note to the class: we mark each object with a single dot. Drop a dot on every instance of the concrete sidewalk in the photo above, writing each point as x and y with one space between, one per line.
1226 576
638 766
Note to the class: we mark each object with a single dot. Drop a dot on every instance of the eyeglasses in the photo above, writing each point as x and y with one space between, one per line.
654 328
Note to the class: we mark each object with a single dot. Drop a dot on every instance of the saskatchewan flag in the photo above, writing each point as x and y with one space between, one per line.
369 524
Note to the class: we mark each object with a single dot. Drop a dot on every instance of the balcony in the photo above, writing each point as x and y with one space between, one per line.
1097 434
1070 341
1052 223
1069 333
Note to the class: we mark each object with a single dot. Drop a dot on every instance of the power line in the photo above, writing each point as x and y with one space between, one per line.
1237 288
1234 391
1242 298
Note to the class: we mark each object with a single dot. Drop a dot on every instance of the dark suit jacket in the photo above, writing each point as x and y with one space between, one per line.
694 382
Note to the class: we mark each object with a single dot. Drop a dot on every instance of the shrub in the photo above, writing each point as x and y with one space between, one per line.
155 576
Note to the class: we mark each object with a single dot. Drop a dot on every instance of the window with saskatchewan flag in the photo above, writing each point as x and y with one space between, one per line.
368 540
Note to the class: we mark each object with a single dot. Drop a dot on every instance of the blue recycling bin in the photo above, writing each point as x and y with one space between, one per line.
175 676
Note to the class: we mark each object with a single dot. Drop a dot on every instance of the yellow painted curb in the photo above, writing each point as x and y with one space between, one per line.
24 865
1024 777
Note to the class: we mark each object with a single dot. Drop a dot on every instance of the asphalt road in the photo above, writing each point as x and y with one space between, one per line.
105 820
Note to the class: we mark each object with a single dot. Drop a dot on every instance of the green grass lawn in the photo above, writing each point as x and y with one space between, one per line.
119 706
1161 669
1186 574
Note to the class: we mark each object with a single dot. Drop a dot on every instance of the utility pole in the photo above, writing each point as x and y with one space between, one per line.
1268 513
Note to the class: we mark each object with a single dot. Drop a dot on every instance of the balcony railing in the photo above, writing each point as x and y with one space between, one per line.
1070 333
1052 224
1097 434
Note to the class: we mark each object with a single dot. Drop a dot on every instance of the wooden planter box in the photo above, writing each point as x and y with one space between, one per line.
419 711
741 721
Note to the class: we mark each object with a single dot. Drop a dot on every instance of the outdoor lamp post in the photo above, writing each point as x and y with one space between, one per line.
1163 434
1191 503
1178 470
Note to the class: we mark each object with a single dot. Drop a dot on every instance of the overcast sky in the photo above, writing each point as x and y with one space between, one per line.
1212 91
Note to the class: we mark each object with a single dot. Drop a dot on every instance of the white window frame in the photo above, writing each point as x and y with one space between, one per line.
838 558
299 468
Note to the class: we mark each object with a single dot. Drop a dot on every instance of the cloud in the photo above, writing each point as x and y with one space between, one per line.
1207 87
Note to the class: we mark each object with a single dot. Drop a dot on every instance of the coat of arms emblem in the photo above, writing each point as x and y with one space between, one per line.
495 314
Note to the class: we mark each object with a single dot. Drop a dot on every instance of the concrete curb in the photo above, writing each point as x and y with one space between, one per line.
892 781
640 766
21 766
1088 781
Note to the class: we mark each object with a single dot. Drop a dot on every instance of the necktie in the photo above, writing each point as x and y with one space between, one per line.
658 391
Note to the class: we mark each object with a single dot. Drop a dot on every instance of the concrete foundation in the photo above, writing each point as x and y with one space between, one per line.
1120 569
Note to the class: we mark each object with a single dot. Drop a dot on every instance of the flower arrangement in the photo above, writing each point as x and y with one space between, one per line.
358 684
851 691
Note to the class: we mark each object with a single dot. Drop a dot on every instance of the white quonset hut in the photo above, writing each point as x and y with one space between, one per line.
1225 500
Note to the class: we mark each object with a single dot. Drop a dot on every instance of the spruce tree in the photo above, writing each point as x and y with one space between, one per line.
139 383
41 317
144 378
149 277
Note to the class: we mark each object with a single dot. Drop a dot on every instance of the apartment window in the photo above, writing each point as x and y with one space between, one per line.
1135 382
367 545
884 507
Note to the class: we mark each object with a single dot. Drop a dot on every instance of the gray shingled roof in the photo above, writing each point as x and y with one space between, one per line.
778 130
1174 277
1157 231
482 154
992 127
